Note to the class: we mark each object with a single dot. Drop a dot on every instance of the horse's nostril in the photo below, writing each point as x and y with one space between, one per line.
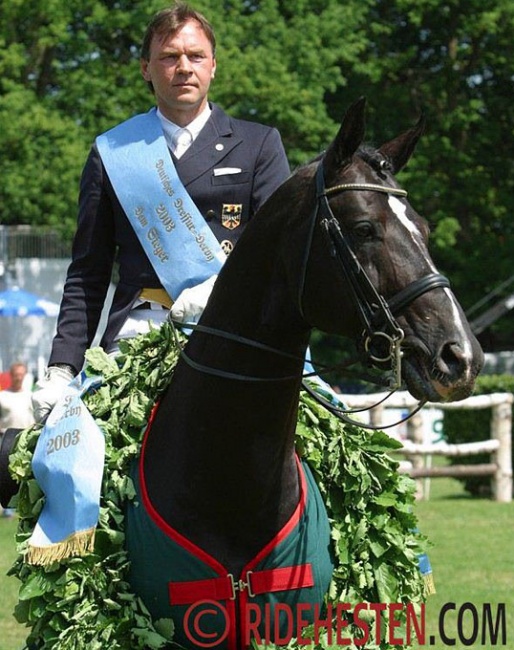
451 359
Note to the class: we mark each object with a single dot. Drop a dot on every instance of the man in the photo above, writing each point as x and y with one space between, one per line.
15 407
15 401
227 167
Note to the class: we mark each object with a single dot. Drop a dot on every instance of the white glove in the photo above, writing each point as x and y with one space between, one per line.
48 391
190 304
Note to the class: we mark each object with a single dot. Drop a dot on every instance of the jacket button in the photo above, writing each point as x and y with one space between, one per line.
210 214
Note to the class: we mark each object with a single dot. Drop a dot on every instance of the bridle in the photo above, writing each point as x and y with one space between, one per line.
382 337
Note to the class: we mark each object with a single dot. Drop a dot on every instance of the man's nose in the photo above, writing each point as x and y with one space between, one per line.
184 64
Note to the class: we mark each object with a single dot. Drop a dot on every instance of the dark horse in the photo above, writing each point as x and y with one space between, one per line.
337 247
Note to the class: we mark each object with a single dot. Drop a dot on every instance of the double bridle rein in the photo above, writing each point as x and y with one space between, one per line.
382 337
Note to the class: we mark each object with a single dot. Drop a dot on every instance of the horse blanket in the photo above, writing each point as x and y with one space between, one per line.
176 579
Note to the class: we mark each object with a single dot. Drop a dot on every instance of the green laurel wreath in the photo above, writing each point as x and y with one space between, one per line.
86 602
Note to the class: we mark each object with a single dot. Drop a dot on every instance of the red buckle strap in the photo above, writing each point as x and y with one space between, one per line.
256 582
282 579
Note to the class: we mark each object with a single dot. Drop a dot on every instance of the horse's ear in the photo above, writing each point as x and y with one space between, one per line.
399 150
347 140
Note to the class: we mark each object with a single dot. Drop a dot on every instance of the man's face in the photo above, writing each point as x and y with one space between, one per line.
17 376
180 69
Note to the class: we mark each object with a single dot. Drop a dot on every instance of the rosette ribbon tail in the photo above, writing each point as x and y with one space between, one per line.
68 465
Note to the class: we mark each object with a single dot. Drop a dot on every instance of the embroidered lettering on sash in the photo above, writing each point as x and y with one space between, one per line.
174 235
158 250
164 178
164 217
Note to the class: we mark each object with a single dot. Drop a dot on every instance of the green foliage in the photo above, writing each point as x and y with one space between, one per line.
40 156
473 426
277 62
87 602
370 508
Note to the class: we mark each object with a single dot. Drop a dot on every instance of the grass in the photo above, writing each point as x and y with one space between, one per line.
12 634
471 557
472 562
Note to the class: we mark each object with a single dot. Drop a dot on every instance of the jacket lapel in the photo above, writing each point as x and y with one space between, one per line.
211 146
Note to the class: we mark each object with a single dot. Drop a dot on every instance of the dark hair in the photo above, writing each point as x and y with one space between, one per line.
166 22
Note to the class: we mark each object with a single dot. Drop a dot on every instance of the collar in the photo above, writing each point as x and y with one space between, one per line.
193 127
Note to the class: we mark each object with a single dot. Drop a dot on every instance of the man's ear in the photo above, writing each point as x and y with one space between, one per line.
143 66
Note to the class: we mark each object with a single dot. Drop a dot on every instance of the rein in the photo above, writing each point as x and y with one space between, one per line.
242 340
342 413
339 412
216 372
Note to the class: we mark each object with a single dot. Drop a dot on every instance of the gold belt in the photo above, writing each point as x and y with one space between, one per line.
159 296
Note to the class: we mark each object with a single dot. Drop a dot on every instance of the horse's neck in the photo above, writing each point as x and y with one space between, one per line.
224 447
259 404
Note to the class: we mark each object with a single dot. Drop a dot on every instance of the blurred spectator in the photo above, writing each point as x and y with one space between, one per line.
16 405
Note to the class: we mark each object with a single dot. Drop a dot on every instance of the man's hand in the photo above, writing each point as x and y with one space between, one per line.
49 389
191 302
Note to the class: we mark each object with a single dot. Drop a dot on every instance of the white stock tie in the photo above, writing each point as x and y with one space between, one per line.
182 138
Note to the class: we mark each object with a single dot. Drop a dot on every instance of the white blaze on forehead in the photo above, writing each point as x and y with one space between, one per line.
400 210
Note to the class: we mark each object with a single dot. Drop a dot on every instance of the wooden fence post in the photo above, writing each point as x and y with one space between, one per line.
501 430
415 435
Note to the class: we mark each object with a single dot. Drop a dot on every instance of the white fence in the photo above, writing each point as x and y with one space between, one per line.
419 450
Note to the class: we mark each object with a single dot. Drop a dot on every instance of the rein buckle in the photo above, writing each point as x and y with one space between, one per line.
394 354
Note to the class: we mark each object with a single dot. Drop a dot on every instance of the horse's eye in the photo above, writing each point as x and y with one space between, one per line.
363 230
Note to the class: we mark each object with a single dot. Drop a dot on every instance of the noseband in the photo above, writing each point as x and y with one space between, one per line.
381 336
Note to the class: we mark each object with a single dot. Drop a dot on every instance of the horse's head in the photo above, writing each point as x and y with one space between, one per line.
367 241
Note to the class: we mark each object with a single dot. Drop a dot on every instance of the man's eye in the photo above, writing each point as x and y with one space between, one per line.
196 58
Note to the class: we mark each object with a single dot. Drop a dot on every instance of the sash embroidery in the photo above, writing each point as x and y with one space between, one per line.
68 465
178 242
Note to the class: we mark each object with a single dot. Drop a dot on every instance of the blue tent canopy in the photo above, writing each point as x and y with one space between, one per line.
17 302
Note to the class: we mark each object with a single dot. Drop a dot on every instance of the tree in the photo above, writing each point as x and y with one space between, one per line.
455 63
278 61
67 70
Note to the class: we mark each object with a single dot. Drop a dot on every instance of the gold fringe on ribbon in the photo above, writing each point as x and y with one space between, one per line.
430 589
77 544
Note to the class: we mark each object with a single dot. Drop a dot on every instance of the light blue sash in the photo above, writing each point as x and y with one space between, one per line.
69 456
178 242
68 466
